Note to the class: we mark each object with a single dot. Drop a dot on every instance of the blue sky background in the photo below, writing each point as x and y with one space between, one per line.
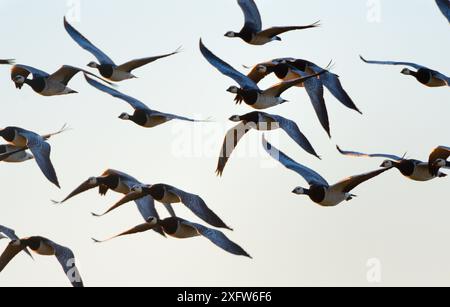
402 224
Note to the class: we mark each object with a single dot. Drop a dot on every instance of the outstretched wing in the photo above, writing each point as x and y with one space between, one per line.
292 129
86 44
253 22
350 183
308 174
136 104
85 186
66 258
232 138
416 66
275 31
280 88
25 71
41 151
444 6
131 65
219 239
226 69
359 154
11 234
315 91
198 206
138 229
67 72
10 252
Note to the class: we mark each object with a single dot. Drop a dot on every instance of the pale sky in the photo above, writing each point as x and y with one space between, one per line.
401 224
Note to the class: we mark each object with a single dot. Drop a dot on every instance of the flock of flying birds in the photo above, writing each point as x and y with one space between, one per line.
24 145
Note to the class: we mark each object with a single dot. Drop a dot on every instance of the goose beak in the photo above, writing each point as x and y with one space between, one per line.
19 86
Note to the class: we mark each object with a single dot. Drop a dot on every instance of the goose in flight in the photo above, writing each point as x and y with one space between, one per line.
107 68
181 229
444 6
253 33
261 122
25 139
44 247
168 195
143 115
45 84
7 62
424 75
121 183
413 169
251 94
8 233
320 191
13 154
288 69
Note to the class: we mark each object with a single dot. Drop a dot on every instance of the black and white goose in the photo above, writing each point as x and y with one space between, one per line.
253 33
143 115
107 68
44 83
37 144
118 182
424 75
320 191
168 195
13 154
10 234
44 247
251 94
413 169
288 69
444 6
7 62
181 229
261 122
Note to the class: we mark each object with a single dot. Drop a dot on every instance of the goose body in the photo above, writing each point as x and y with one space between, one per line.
25 139
44 247
248 90
415 170
252 32
168 195
320 191
118 182
182 229
424 75
43 83
261 122
143 115
289 69
107 68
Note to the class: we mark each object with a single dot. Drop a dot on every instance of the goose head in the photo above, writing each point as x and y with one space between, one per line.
300 191
125 116
262 69
93 181
235 118
407 72
388 164
19 81
440 163
153 221
233 89
231 34
93 65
